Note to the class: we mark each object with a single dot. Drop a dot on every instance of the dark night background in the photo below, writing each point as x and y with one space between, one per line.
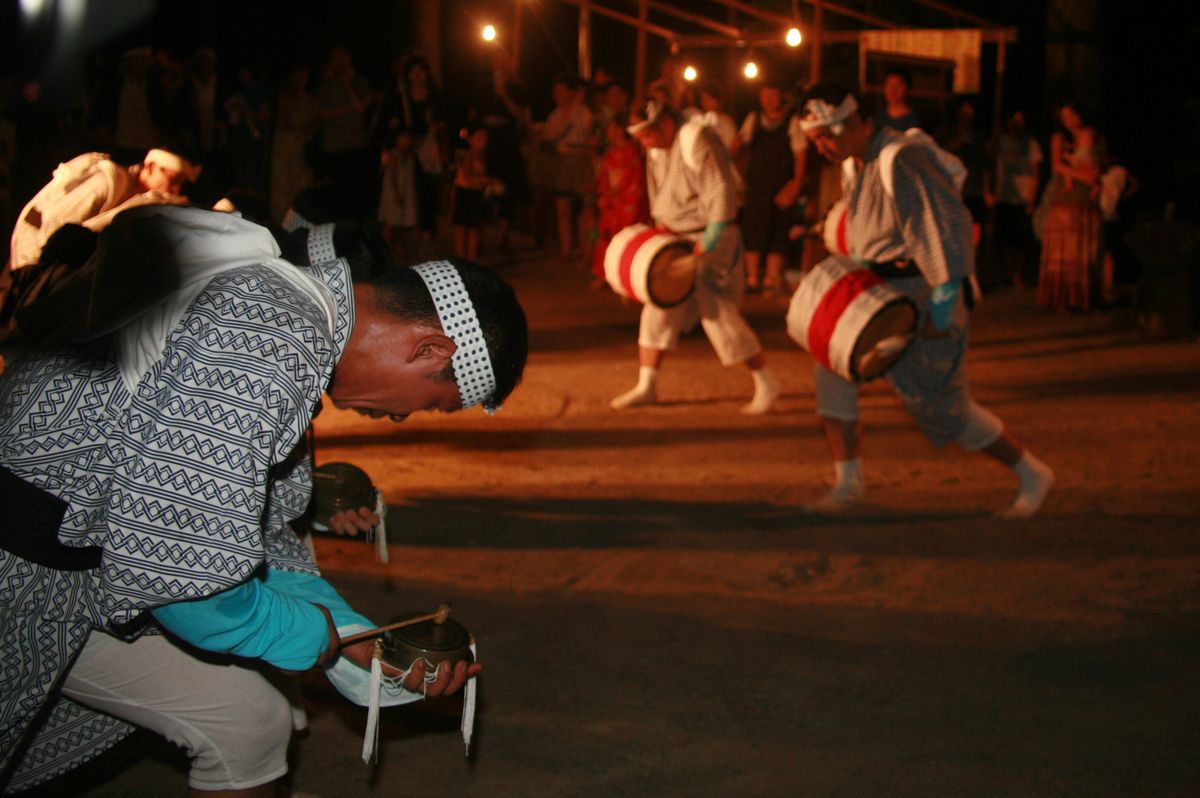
1142 84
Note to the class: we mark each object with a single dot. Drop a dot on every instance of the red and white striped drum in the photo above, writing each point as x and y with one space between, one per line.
850 320
834 229
650 265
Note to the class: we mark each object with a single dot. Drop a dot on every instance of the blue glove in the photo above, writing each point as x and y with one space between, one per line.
712 234
941 305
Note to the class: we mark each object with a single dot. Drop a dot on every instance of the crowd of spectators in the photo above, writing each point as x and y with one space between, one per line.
403 157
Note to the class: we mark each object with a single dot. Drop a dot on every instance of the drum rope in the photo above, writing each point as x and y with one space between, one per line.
370 749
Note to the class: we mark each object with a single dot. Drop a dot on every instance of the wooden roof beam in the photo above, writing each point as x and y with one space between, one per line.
958 13
634 22
993 35
696 19
748 40
769 16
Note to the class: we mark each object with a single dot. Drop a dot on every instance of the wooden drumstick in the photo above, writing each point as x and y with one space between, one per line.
439 617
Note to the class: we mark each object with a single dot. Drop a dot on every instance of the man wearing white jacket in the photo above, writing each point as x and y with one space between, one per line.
154 470
693 192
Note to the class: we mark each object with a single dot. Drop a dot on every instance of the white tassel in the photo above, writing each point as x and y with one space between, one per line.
468 715
381 542
370 749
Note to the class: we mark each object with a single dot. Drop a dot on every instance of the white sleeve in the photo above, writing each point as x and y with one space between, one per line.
796 136
747 131
726 129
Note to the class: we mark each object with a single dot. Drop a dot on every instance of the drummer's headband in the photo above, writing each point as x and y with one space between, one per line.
320 237
472 363
293 221
320 244
652 112
819 113
165 159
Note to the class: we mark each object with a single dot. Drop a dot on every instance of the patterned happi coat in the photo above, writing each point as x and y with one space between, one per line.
187 484
921 218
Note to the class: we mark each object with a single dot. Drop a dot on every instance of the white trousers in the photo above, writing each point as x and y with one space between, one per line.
234 724
715 300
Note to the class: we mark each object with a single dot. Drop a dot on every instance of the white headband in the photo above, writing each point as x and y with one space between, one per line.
653 111
165 159
293 221
472 363
819 113
320 244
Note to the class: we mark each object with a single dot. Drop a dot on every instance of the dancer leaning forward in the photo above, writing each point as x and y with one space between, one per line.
693 192
907 222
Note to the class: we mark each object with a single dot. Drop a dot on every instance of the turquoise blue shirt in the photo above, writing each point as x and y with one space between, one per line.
273 618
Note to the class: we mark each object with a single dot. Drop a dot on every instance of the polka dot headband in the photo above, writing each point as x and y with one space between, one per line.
320 244
293 221
320 237
472 363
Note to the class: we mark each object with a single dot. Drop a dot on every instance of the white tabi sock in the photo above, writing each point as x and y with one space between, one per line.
1036 479
766 391
644 393
849 488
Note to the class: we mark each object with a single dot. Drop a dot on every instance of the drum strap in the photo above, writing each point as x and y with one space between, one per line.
893 269
898 269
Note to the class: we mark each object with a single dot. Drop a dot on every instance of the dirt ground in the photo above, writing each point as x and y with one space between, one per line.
658 615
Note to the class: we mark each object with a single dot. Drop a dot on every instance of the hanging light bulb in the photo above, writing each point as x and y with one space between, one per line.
690 73
489 33
750 70
793 37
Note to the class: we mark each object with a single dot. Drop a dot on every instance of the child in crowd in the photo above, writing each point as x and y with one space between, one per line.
1116 185
398 194
472 187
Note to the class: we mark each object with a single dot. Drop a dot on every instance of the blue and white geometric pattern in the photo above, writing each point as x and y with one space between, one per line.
181 483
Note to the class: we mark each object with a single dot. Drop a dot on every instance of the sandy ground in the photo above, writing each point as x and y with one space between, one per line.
658 614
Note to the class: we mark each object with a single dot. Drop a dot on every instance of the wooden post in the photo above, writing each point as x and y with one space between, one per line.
998 100
816 41
585 39
731 64
639 69
516 38
429 28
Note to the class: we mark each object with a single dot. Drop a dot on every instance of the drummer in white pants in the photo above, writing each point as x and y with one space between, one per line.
693 192
907 221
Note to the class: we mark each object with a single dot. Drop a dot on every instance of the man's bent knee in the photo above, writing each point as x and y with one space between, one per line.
248 746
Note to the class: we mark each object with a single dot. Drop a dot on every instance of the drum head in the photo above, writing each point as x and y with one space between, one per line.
338 487
883 340
435 642
671 276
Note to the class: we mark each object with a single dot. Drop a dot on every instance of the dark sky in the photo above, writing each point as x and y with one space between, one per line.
1147 82
269 35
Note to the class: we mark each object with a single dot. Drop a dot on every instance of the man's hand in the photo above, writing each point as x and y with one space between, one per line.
351 523
449 680
331 652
